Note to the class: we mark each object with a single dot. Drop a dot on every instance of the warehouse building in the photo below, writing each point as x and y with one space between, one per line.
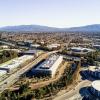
94 71
81 49
95 88
49 66
2 72
35 45
96 47
54 46
15 63
32 52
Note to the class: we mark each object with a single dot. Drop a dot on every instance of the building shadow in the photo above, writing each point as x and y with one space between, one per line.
30 73
86 93
83 91
86 76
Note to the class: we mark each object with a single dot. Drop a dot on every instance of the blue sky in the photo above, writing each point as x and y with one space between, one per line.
55 13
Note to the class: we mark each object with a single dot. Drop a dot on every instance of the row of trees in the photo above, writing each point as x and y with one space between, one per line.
6 55
90 58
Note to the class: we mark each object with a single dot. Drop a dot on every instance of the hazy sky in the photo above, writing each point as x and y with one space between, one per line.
55 13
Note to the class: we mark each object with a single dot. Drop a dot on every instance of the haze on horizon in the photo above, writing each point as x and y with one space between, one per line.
53 13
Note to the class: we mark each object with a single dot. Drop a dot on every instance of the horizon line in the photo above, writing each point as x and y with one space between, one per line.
46 25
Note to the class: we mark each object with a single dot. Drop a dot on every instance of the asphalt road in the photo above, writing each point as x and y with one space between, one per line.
73 94
15 76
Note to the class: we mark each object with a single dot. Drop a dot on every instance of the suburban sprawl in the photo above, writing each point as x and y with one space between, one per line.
49 65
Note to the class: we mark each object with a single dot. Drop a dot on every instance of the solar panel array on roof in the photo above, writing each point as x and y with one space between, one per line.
48 62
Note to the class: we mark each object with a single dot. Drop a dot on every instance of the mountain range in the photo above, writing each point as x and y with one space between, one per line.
39 28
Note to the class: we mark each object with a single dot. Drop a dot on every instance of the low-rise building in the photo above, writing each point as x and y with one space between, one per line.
96 46
2 72
4 46
35 45
15 63
53 46
81 51
32 52
49 66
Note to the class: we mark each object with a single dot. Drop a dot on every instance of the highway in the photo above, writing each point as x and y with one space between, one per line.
15 76
74 93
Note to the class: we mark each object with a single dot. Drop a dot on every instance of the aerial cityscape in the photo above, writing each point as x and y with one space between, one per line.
49 50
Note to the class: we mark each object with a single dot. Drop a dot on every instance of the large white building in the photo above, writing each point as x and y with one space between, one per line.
81 50
2 72
54 46
15 63
95 88
49 66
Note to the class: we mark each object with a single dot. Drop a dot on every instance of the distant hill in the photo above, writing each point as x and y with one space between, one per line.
29 28
88 28
38 28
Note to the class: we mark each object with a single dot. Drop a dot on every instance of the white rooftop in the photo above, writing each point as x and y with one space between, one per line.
97 45
53 45
2 72
35 45
96 85
32 51
48 62
16 62
81 48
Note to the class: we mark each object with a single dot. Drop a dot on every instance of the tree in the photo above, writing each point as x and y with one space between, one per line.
23 88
